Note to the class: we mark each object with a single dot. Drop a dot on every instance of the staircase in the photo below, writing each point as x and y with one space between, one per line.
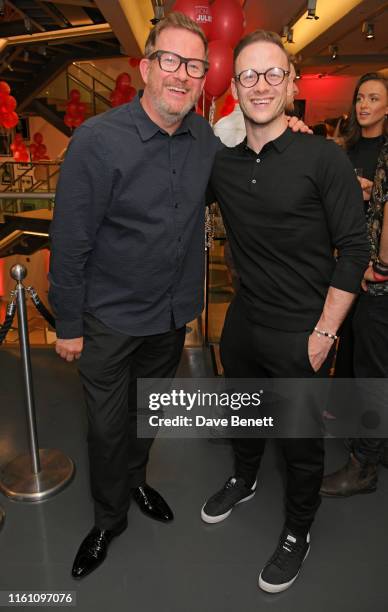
94 86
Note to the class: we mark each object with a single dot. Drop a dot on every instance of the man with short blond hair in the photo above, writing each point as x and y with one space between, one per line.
287 201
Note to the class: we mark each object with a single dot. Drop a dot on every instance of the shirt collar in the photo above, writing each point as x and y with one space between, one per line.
280 143
147 128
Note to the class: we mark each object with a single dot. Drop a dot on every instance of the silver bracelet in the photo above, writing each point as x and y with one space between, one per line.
325 333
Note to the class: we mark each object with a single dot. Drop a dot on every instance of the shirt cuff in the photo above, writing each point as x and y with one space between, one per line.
66 330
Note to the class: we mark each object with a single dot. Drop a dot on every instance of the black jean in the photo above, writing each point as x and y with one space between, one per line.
249 350
370 360
109 367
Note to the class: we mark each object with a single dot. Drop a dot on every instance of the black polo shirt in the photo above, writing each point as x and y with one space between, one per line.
285 210
127 239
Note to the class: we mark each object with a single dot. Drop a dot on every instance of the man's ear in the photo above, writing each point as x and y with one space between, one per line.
144 67
234 89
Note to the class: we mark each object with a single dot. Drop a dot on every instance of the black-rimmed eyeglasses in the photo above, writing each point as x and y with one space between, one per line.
171 62
273 76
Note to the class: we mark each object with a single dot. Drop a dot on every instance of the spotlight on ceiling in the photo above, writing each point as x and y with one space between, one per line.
26 56
368 29
2 7
158 12
333 49
285 30
290 35
312 9
297 74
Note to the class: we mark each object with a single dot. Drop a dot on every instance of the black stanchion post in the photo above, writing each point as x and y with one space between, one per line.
44 472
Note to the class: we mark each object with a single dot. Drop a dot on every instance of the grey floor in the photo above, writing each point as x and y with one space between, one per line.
186 566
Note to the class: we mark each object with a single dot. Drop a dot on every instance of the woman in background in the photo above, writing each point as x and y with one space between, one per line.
367 145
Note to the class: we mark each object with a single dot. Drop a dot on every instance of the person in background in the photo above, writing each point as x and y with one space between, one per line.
366 343
320 129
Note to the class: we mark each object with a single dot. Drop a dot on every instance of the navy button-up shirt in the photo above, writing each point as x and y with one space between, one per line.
128 228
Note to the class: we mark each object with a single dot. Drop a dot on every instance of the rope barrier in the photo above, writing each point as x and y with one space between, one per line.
9 317
46 314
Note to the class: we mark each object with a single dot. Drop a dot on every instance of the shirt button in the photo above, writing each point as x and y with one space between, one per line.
176 205
174 171
254 181
179 239
258 160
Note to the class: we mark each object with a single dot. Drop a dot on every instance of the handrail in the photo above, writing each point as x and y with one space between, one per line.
36 181
97 70
27 195
89 89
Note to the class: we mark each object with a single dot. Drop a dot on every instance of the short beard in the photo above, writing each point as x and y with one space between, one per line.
170 117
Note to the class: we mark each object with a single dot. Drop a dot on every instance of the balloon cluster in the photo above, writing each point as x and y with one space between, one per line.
75 110
228 106
38 150
123 92
223 24
19 149
8 117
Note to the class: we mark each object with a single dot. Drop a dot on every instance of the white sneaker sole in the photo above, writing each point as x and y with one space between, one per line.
278 588
207 518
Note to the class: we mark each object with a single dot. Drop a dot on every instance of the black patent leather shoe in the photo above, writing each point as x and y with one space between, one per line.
93 550
152 504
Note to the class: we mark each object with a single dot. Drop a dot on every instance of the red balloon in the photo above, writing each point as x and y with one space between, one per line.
117 98
75 95
41 150
198 10
77 121
5 88
123 82
228 21
72 109
10 120
221 68
33 148
37 138
81 107
24 157
68 120
18 138
10 103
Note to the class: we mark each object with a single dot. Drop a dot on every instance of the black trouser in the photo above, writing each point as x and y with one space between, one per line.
249 350
370 331
109 366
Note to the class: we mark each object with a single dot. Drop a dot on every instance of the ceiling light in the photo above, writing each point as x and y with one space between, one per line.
290 35
297 74
285 30
368 29
333 49
2 7
311 9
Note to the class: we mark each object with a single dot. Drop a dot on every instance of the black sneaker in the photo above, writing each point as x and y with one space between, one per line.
220 505
284 566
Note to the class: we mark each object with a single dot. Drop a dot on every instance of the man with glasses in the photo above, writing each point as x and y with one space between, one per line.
287 201
127 264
